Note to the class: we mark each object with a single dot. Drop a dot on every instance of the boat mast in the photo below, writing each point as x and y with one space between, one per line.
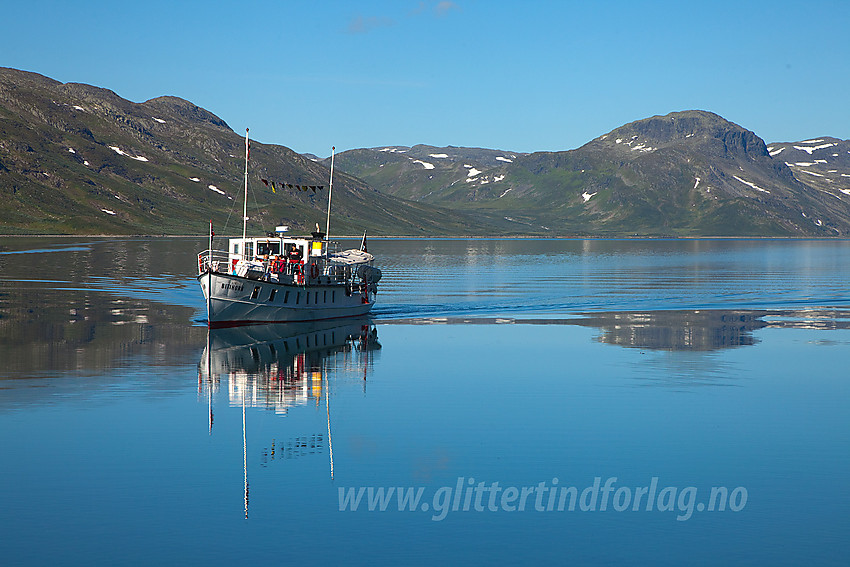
245 203
209 281
330 193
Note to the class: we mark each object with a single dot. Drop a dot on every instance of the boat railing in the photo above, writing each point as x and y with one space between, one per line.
278 269
214 260
332 247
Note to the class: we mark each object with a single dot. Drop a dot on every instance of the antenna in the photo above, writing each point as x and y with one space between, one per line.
245 204
330 193
209 281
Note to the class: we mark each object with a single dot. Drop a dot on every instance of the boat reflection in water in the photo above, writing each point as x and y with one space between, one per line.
280 366
284 365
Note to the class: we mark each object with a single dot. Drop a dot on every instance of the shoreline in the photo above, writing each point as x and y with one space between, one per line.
435 237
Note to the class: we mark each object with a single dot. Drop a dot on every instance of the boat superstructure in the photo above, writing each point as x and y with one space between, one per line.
280 279
277 279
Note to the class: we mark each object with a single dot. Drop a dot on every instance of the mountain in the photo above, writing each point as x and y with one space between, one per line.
687 173
822 164
423 173
80 159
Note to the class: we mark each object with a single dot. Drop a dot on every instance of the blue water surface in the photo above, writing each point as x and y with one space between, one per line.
131 436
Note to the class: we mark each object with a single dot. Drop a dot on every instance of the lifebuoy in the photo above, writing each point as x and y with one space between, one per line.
314 271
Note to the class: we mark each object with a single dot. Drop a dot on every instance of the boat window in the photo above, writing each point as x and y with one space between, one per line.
308 298
268 248
286 297
333 296
271 294
297 298
256 293
236 248
317 298
325 296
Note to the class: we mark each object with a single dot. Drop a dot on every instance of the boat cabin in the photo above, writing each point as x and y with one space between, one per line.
278 245
289 260
264 248
278 257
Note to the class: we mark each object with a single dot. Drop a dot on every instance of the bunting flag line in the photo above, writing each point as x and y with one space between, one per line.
291 186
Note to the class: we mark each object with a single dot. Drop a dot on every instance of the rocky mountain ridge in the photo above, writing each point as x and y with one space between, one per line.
687 173
78 159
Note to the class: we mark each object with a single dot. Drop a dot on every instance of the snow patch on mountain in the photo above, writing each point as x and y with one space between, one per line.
810 149
121 152
753 185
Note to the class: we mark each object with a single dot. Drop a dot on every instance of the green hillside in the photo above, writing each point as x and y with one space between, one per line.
685 174
79 159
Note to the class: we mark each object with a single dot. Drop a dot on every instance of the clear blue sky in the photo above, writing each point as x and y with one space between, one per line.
514 75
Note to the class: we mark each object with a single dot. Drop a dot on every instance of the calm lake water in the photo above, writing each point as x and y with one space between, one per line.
660 402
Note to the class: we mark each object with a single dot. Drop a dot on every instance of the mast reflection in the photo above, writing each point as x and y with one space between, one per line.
278 367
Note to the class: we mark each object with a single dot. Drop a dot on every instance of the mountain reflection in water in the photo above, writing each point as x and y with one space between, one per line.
674 330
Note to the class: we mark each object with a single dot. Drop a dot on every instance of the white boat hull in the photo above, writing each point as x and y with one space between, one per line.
237 301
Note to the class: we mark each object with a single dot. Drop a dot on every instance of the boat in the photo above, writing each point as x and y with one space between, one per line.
278 278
